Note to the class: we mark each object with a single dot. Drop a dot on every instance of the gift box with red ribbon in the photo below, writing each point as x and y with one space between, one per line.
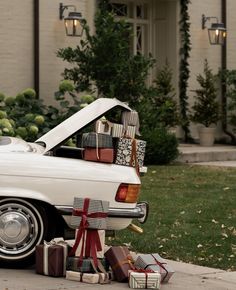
120 261
51 258
100 254
144 279
155 263
89 215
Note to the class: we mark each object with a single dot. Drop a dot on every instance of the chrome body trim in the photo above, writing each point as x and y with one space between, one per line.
112 212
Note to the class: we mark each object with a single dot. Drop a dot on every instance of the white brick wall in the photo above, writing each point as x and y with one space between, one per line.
231 34
16 46
201 48
53 37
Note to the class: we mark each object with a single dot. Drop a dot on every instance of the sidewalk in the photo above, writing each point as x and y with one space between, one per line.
187 277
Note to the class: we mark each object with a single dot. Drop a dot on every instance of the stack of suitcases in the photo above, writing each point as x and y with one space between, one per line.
115 143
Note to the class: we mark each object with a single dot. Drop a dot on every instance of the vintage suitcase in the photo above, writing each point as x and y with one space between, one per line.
96 140
51 260
105 155
120 261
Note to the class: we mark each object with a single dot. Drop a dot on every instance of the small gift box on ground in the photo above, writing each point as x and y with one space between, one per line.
96 140
118 130
86 277
120 261
155 263
51 258
105 155
72 264
144 279
127 148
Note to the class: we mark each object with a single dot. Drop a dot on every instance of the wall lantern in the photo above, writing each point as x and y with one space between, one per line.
217 31
73 22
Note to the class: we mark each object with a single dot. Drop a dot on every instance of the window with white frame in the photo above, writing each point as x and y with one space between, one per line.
136 14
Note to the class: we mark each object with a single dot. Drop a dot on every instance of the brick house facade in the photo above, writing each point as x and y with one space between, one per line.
155 23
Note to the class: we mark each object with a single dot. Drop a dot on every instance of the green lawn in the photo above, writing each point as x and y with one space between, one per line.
192 215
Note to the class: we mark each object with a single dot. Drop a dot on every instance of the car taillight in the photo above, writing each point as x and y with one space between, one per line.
127 193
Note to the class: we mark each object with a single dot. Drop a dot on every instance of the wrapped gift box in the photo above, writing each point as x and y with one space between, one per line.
100 254
51 259
125 151
96 140
155 263
144 280
86 277
118 130
94 210
120 261
103 127
130 118
105 155
72 264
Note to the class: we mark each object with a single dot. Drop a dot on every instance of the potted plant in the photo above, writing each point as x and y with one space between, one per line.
206 107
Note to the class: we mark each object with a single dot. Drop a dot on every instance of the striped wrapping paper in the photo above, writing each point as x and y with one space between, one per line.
95 206
155 263
131 118
144 280
119 131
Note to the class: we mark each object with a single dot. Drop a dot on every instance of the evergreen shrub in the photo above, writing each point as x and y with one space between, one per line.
162 146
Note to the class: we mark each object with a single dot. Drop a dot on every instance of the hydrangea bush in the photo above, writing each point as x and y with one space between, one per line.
26 116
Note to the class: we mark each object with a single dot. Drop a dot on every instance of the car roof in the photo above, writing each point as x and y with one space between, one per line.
79 120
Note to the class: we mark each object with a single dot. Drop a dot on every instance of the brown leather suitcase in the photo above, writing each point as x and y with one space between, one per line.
120 261
105 155
51 263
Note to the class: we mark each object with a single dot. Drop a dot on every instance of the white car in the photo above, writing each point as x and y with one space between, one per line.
38 183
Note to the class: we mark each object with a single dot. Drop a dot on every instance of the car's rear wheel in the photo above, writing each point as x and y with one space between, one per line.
23 225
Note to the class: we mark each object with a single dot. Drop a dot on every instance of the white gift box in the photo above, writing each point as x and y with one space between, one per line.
100 254
118 131
91 278
155 263
142 280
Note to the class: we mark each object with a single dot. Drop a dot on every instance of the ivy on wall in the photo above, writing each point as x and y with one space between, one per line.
185 48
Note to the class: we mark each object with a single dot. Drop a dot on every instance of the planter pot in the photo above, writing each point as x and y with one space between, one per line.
207 136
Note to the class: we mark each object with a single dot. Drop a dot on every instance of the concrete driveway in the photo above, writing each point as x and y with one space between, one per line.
187 277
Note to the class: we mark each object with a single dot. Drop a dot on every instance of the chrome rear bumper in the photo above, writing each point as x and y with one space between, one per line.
139 212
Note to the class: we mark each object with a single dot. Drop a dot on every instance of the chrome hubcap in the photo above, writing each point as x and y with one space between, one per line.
18 228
